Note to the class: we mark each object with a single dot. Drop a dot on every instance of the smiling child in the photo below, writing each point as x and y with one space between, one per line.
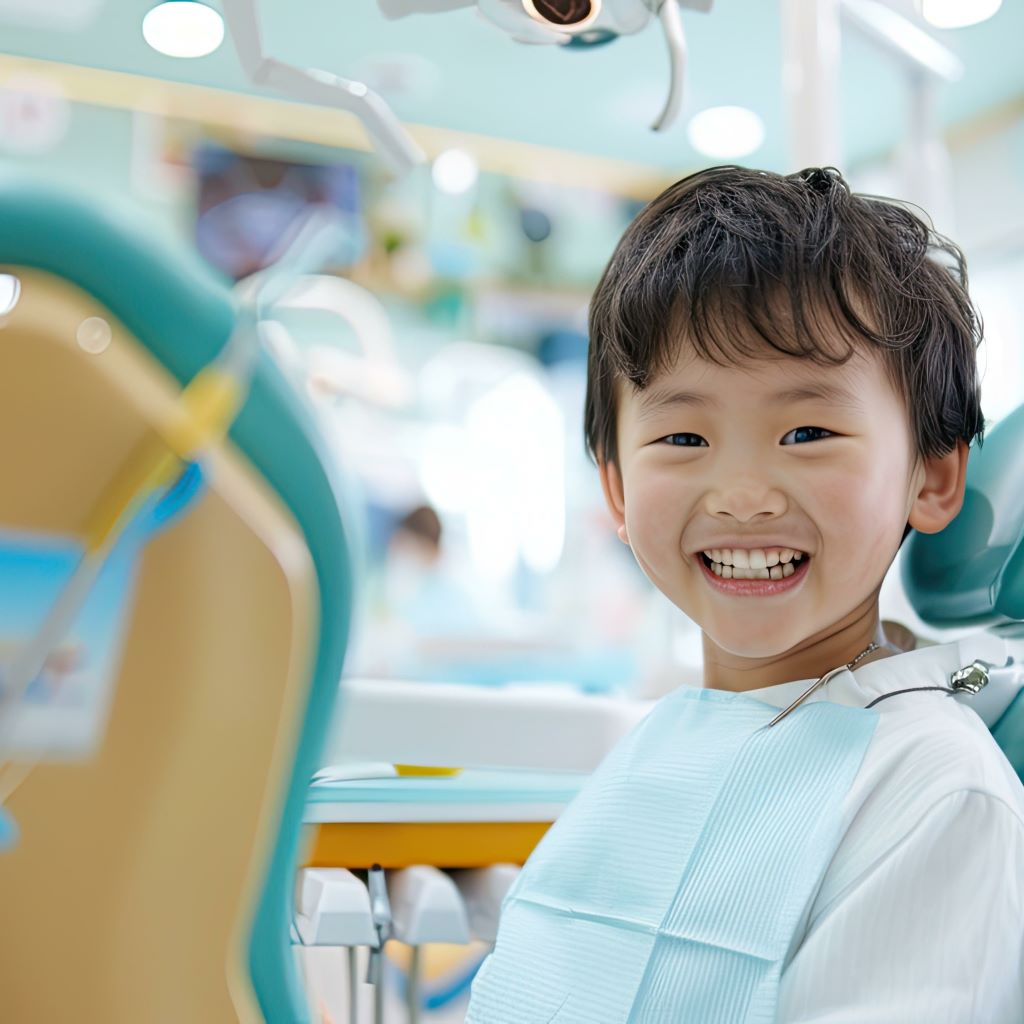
782 384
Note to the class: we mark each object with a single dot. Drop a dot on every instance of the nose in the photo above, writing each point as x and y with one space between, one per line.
745 497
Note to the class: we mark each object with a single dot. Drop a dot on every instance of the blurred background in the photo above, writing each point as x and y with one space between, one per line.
477 162
444 349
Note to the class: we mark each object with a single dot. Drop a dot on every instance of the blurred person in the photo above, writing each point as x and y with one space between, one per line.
414 602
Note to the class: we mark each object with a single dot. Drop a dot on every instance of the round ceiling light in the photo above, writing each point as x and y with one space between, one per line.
958 13
455 171
183 28
725 132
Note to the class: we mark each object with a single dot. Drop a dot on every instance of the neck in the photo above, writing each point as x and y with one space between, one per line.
810 659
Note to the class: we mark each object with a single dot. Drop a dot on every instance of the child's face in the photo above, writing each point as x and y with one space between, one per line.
736 470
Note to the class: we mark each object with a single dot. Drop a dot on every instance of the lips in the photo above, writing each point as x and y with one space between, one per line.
753 587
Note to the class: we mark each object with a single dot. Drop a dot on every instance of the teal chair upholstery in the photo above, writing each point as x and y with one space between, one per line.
972 572
183 314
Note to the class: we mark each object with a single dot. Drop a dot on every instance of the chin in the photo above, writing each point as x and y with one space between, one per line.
753 646
754 652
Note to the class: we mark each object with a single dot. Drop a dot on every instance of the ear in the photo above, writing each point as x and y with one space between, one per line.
614 495
941 493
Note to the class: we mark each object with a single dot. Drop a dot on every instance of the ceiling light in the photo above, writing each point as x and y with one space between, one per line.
183 28
455 171
726 132
958 13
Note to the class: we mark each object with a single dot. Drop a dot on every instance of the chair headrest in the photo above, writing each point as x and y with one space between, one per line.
972 572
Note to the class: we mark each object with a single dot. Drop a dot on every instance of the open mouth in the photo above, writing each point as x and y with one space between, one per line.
782 566
760 582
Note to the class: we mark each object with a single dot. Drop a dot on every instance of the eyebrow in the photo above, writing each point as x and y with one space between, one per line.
661 398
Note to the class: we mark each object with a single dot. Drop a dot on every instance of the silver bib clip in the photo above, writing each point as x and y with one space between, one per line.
971 679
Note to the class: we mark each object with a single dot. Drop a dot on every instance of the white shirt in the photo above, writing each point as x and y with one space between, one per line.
920 914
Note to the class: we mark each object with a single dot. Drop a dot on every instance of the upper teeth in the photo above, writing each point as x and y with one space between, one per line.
754 558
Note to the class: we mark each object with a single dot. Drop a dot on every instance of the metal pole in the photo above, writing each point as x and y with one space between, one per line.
810 81
925 164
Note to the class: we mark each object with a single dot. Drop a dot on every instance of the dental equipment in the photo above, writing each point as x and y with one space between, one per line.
383 923
426 907
540 727
313 85
332 908
577 25
483 890
373 373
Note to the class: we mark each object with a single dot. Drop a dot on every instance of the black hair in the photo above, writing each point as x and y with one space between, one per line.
741 262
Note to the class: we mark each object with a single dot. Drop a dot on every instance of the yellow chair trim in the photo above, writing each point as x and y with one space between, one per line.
445 844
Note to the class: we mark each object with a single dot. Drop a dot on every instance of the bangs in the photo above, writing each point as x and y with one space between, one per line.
740 325
738 265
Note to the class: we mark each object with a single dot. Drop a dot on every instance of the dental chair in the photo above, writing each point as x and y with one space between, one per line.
147 857
971 574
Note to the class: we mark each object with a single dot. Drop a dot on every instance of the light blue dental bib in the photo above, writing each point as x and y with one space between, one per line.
672 888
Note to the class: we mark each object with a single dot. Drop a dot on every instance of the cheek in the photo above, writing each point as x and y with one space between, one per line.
861 517
656 511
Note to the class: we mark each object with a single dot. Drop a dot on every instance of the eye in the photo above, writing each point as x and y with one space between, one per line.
805 431
688 440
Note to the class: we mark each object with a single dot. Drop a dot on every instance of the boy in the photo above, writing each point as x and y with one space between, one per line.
782 383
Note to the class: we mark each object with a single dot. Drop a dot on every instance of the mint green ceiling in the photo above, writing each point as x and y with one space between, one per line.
465 74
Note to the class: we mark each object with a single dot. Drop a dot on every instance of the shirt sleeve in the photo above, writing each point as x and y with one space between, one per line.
932 931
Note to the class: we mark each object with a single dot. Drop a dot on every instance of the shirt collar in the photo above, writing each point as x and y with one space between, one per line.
930 665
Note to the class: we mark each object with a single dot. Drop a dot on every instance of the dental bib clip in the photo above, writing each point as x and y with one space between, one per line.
973 678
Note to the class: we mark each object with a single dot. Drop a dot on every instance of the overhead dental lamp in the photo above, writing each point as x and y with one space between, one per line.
313 85
577 24
573 23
